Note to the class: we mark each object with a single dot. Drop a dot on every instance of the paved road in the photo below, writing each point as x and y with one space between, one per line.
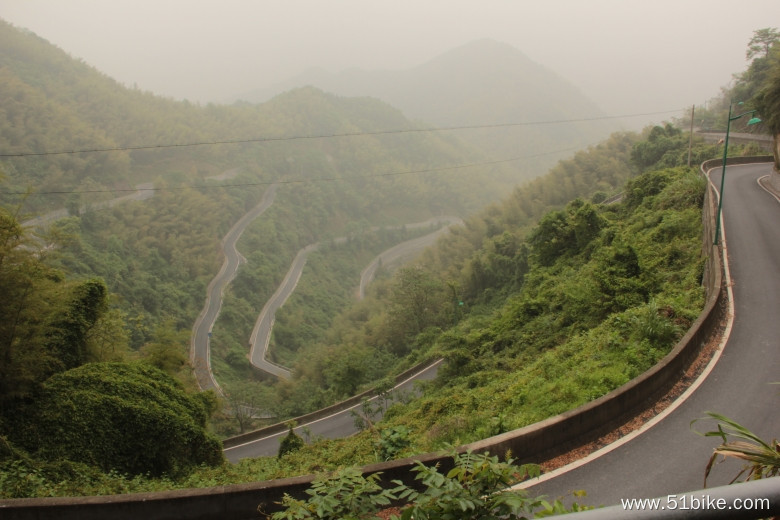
143 191
261 334
200 355
405 250
335 426
669 458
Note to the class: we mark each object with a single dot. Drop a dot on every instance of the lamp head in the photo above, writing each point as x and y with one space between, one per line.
754 121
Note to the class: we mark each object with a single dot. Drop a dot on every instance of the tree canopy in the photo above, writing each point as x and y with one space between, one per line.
128 417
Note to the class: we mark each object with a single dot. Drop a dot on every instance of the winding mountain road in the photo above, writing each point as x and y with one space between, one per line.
669 458
200 351
143 191
337 425
261 334
200 354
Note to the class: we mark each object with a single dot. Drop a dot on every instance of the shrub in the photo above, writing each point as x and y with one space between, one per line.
131 418
291 442
477 487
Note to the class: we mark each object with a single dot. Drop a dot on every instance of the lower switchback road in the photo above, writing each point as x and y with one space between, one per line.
335 426
200 356
669 458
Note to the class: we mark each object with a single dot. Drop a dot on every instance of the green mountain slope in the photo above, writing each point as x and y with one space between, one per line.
341 162
55 104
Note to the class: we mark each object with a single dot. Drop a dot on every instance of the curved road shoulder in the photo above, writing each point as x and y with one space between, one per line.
200 350
670 457
261 334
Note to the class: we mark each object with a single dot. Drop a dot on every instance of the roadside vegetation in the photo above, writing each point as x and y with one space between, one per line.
539 303
602 292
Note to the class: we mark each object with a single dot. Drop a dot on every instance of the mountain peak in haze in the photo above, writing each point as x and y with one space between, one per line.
481 82
484 82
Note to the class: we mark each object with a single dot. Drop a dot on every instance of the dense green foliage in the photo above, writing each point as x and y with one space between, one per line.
477 487
64 414
130 418
538 303
758 87
600 314
47 323
290 442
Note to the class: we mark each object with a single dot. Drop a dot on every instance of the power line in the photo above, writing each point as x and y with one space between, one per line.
329 136
296 181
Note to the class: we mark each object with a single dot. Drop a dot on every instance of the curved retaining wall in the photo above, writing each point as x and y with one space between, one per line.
323 412
547 438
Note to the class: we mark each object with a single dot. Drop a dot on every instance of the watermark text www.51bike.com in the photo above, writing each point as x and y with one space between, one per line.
697 502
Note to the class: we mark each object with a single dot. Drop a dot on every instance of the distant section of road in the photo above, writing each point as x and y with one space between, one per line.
334 426
200 355
144 191
670 458
261 334
763 141
405 250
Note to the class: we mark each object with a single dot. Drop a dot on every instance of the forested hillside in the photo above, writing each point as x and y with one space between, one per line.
538 303
124 283
555 312
471 272
157 255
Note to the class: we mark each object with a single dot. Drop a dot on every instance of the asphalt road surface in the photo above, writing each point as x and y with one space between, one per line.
199 345
261 334
669 458
336 426
405 250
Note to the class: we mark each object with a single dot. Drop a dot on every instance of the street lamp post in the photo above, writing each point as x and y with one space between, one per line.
752 121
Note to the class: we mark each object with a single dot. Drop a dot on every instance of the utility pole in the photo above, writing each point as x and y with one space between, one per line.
690 140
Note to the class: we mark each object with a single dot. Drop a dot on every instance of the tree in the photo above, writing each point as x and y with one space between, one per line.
44 321
108 339
166 350
291 442
767 100
70 330
418 301
246 399
129 417
762 42
660 149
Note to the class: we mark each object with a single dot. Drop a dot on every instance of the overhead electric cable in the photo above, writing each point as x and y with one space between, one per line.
329 136
296 181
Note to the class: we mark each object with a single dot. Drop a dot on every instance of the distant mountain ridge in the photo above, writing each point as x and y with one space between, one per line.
484 82
53 103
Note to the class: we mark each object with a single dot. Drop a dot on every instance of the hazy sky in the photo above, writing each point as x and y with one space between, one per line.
627 55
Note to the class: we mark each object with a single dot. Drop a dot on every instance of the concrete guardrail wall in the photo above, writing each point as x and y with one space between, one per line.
323 412
535 442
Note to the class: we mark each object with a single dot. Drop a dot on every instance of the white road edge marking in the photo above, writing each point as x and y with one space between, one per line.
437 363
678 402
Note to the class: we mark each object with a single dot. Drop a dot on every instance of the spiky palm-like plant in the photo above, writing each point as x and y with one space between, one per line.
762 458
